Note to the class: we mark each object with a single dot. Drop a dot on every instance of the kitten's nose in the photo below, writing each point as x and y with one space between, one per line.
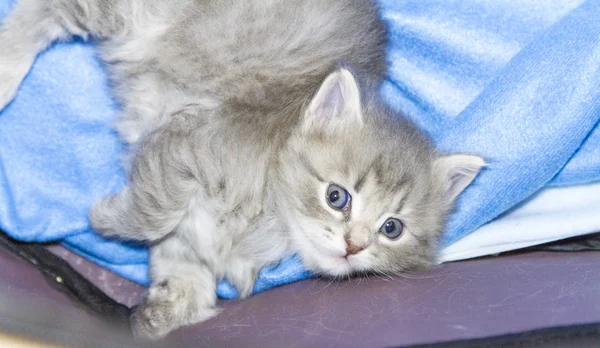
351 248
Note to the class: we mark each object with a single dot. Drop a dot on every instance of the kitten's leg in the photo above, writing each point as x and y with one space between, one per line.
185 267
32 25
183 293
166 175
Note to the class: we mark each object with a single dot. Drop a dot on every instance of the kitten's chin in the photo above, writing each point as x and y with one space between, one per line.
320 256
332 266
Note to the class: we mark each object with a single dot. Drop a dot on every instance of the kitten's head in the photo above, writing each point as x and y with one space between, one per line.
361 188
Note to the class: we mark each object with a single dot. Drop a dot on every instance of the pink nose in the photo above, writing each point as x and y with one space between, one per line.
351 248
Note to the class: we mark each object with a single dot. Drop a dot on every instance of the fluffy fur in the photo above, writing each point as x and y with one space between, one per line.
238 116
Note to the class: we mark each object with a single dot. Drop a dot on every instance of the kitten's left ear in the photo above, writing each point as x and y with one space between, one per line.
335 106
457 171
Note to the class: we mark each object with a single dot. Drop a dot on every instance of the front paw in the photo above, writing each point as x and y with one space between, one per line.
152 321
104 218
242 274
114 216
167 307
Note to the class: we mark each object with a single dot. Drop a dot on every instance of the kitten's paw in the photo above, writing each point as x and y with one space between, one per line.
152 321
114 216
243 275
165 309
104 218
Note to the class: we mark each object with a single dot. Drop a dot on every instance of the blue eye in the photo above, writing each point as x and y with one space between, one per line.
392 228
337 197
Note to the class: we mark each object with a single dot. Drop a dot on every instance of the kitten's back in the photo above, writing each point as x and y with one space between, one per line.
237 49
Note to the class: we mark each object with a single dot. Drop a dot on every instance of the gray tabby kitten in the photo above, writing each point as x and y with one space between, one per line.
255 132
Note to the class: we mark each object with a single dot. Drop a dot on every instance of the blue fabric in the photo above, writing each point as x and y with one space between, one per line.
515 81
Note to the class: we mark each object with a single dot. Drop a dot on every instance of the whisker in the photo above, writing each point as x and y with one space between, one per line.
326 286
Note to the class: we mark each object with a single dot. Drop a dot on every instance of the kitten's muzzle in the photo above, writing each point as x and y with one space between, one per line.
357 240
352 249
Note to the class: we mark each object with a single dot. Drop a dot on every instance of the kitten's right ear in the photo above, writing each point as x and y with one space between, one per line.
335 106
457 171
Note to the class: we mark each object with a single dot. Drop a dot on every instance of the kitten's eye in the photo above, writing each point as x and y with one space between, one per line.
392 228
337 197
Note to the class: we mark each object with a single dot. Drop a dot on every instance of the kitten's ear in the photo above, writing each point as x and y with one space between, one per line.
335 106
457 171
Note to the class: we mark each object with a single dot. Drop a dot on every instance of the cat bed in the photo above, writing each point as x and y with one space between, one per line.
516 82
536 298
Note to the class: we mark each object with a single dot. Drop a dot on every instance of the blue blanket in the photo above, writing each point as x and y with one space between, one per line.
515 81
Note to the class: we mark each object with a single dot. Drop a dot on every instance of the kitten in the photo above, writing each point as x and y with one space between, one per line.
255 132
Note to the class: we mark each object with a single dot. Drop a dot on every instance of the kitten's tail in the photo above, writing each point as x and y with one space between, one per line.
32 25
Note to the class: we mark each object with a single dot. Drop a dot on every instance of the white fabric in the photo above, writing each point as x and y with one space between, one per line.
554 213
